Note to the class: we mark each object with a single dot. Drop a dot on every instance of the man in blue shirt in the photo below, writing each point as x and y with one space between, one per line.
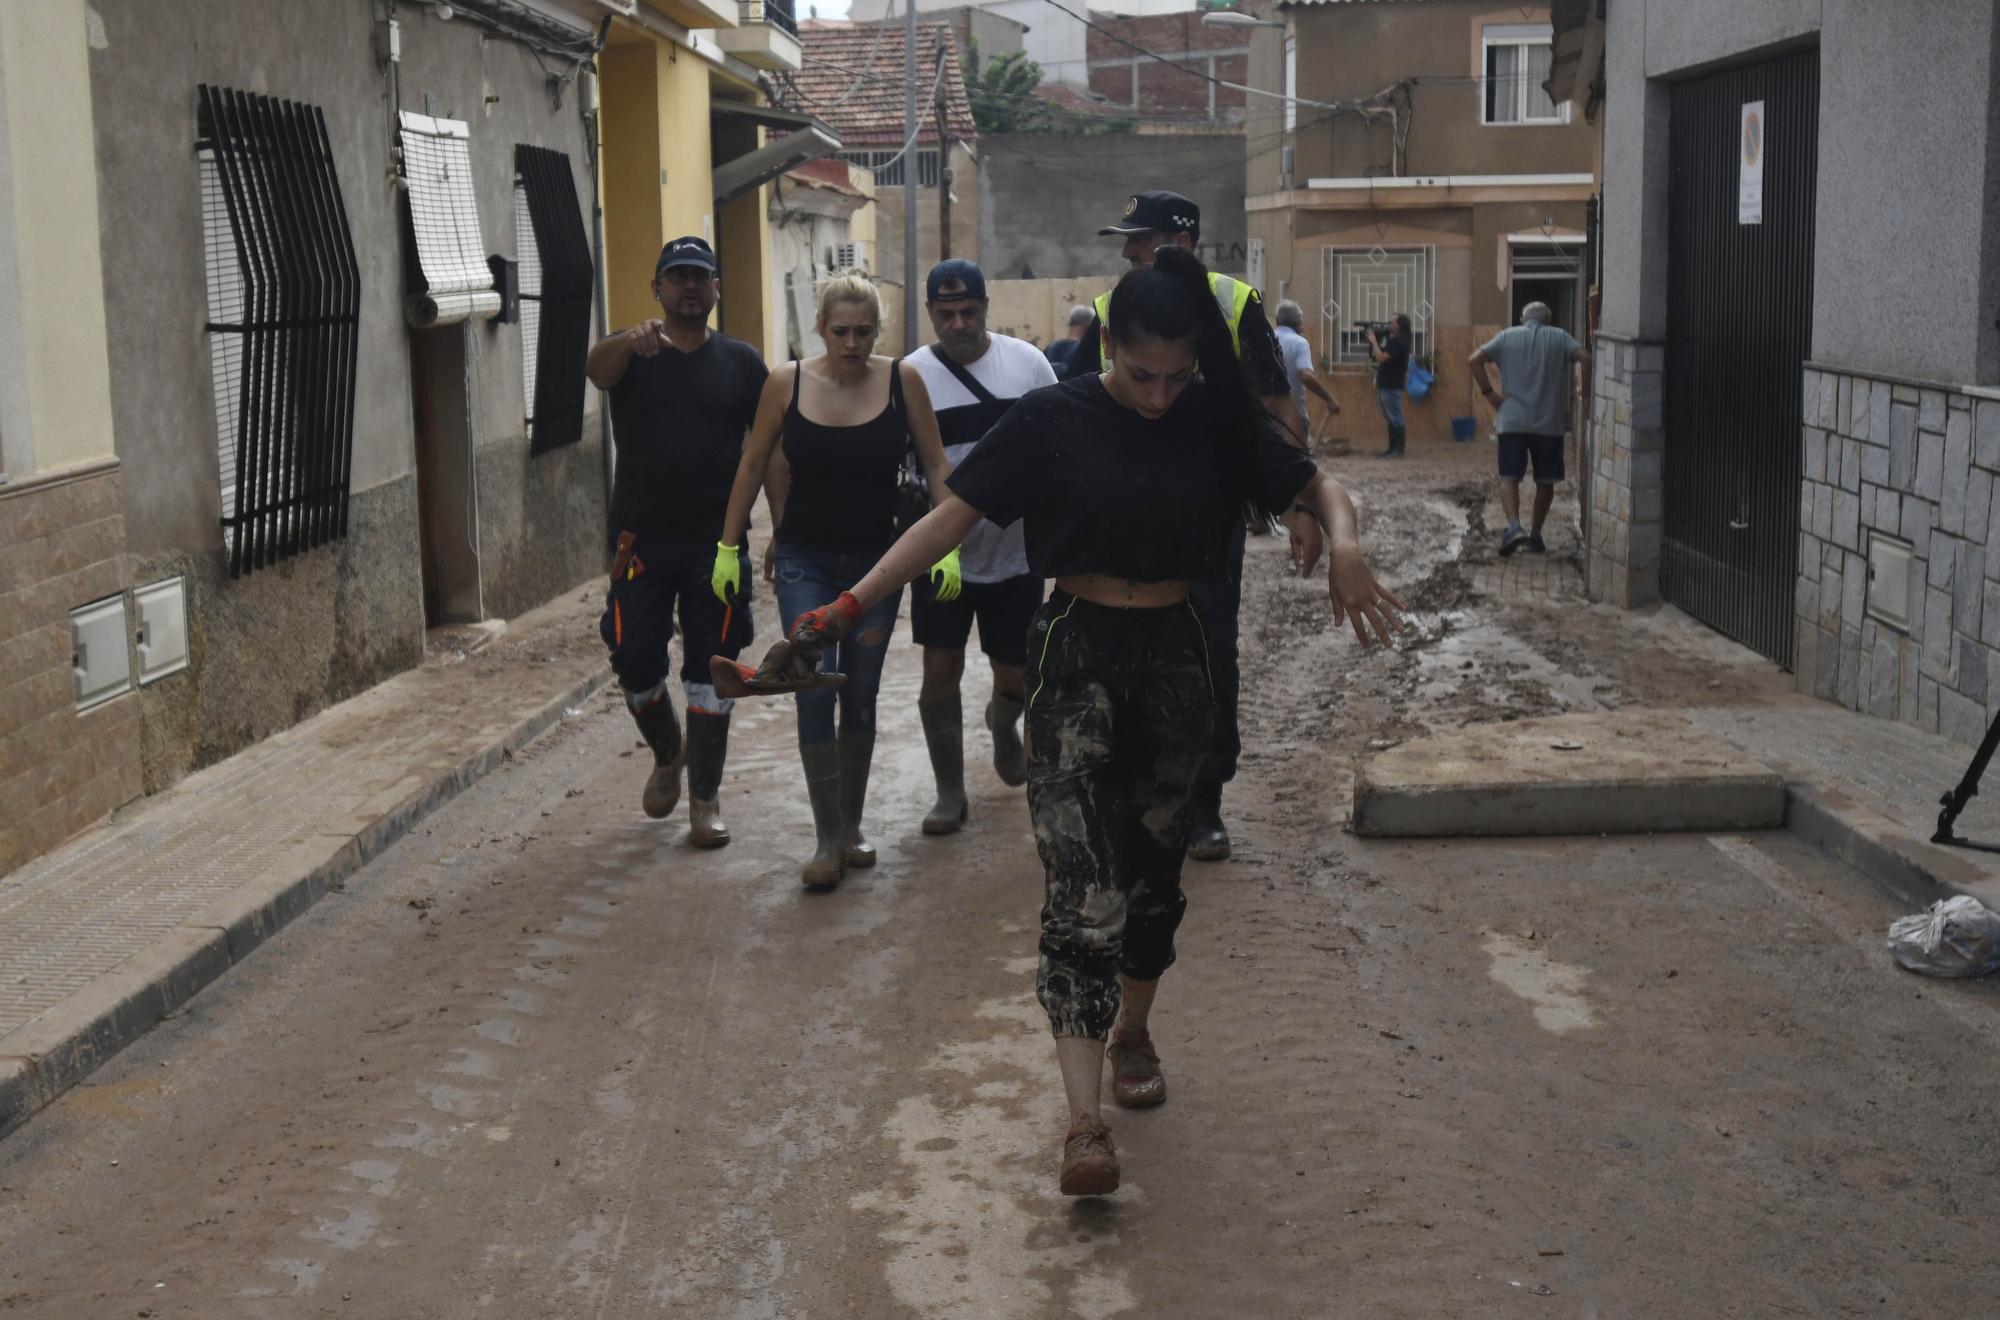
1297 356
1062 350
1535 361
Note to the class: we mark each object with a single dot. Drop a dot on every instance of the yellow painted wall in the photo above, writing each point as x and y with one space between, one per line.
653 97
745 233
56 339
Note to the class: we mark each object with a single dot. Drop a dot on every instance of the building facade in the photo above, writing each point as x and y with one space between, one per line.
1797 424
1422 169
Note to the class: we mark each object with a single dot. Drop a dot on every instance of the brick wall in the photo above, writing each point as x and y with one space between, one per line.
62 544
1915 461
1219 52
1627 445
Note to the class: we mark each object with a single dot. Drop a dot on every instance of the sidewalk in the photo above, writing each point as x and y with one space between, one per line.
120 927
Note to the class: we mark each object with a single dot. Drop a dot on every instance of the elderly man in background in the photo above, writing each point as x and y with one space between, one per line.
1062 350
1536 361
1297 356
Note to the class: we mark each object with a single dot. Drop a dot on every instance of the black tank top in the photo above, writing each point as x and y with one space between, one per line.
843 494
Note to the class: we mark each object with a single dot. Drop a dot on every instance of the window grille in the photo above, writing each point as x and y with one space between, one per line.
848 256
450 266
891 175
1517 61
284 296
1374 284
558 280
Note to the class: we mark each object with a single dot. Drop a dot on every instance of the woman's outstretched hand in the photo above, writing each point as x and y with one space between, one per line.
1358 598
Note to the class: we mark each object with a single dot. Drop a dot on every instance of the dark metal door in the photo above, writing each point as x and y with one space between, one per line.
1739 322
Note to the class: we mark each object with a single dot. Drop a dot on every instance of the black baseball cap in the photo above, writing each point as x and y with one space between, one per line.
1168 212
688 251
971 281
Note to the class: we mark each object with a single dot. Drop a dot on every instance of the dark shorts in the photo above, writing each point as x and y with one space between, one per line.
1003 609
660 578
1516 447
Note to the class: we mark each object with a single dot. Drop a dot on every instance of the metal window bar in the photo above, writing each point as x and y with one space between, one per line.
530 314
778 13
888 175
1373 284
566 281
284 298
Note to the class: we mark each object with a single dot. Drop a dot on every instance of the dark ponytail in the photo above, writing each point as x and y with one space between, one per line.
1171 300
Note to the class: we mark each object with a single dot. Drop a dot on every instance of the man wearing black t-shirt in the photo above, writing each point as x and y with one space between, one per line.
1392 369
681 398
1153 220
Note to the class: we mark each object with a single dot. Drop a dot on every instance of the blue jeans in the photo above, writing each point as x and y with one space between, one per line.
1392 405
809 577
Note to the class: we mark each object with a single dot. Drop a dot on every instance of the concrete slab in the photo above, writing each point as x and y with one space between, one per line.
1604 773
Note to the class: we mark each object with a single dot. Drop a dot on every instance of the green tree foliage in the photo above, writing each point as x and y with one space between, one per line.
1002 92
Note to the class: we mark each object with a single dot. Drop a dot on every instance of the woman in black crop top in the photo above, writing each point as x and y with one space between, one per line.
845 420
1127 485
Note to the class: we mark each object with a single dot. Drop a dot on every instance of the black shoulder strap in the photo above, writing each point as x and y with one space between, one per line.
896 387
964 376
798 371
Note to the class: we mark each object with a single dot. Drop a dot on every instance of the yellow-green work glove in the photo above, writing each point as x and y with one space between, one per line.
726 578
945 578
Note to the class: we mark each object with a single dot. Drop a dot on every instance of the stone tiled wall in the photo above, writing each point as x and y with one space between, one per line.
62 544
1917 462
1627 441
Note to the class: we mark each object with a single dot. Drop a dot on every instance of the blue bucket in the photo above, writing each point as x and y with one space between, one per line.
1463 430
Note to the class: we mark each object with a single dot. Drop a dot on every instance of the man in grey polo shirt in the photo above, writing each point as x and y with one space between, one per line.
1532 406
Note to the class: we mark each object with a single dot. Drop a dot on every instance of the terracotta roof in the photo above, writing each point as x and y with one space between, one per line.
851 77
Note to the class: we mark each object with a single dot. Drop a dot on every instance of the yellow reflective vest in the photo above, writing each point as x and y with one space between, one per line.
1232 295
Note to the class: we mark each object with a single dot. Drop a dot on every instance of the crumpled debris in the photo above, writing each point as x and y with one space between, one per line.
1954 937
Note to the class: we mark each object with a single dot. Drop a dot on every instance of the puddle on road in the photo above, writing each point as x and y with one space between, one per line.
1554 988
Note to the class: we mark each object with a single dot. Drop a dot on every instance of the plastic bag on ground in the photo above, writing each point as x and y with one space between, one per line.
1954 937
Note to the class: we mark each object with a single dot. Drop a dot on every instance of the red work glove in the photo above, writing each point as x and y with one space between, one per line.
828 623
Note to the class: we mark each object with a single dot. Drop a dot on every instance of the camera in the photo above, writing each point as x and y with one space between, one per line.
1383 329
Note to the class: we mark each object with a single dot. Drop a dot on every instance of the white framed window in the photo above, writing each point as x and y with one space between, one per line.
1291 84
1515 59
1374 284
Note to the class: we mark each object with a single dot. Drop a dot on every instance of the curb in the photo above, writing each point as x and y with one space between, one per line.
46 1057
1912 870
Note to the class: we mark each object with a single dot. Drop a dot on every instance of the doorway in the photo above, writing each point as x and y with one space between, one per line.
447 486
1739 325
1548 272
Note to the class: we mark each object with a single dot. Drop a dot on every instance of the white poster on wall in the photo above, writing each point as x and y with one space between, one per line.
1750 166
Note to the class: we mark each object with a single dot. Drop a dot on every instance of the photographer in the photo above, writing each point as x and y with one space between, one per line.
1392 365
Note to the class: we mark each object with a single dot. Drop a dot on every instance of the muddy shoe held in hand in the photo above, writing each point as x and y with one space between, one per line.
1136 1079
1089 1162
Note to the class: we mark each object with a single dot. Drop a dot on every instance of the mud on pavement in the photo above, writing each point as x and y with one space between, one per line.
542 1059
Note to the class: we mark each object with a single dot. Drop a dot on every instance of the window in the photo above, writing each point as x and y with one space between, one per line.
1517 64
891 176
1291 84
284 298
558 282
848 256
450 266
1253 265
1373 284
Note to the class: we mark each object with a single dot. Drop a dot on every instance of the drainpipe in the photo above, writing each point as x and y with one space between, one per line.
586 100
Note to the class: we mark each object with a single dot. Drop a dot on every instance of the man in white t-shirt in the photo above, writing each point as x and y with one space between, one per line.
973 377
1297 355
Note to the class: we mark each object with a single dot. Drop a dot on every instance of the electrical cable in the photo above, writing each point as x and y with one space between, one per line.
918 129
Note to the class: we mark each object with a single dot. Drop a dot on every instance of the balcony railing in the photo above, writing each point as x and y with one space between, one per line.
779 14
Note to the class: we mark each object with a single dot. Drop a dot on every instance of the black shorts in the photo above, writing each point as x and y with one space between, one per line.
1547 450
1004 609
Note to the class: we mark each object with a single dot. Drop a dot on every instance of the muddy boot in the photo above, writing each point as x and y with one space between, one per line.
662 733
707 746
944 734
1089 1162
1208 837
1396 437
1010 760
822 766
857 751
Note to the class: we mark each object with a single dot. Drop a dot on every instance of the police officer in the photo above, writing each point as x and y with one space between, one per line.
681 398
1152 220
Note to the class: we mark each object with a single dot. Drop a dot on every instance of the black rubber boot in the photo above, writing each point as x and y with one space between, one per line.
1208 837
822 766
857 750
662 732
1003 721
707 748
1397 436
944 734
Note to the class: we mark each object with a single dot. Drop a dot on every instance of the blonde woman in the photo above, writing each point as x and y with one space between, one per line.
844 421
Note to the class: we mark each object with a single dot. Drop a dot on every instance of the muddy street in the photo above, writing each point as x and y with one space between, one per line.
543 1059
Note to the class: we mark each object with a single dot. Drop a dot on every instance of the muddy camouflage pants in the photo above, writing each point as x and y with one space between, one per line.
1120 713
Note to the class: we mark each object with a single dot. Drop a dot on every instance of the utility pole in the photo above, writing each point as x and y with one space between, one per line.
910 175
944 170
